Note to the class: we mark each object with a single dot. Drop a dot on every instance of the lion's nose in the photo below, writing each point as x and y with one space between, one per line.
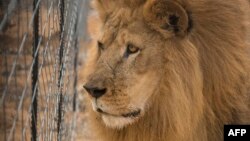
94 91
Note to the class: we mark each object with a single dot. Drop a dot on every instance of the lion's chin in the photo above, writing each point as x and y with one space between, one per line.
118 122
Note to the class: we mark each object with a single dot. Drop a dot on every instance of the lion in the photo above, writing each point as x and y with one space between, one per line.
169 70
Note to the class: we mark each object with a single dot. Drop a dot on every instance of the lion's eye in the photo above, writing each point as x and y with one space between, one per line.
131 49
100 45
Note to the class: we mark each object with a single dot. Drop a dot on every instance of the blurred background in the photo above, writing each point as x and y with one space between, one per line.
44 46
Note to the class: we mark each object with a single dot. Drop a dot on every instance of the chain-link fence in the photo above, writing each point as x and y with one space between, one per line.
39 45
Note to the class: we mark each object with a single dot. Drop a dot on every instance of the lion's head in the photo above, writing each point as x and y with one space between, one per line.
140 43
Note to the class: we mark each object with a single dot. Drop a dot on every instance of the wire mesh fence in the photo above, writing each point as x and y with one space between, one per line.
39 45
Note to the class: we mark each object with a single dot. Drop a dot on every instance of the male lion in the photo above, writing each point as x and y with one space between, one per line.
170 70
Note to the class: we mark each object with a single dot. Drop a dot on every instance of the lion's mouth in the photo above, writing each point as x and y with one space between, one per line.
133 114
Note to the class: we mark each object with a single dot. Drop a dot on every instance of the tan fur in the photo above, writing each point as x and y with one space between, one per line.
187 83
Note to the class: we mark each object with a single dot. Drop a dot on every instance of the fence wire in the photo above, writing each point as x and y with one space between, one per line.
39 46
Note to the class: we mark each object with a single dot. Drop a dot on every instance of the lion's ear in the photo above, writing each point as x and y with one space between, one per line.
167 17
